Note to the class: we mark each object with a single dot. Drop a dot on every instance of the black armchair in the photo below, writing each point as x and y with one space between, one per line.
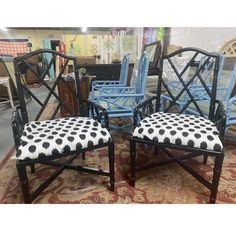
54 140
169 127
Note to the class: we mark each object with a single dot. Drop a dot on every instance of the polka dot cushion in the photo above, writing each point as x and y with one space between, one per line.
180 129
46 138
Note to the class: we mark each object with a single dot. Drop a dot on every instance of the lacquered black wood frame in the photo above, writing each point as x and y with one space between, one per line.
215 115
20 118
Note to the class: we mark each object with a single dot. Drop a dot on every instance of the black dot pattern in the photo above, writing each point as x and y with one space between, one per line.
45 138
189 130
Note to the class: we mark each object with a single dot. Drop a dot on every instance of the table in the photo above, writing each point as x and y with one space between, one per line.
5 81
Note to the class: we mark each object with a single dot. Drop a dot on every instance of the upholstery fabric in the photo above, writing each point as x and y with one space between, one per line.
46 138
180 129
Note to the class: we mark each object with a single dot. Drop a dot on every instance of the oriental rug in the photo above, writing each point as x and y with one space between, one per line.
165 184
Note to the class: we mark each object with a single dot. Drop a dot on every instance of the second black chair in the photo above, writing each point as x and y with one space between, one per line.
174 129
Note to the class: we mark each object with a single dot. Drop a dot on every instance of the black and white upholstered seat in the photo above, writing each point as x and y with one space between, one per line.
52 137
180 129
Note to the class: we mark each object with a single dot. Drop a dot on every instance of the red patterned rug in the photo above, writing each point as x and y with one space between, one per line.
166 184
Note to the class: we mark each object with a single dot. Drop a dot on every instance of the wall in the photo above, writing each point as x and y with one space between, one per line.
80 44
210 39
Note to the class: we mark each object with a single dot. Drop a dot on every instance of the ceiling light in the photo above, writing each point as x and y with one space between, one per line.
84 29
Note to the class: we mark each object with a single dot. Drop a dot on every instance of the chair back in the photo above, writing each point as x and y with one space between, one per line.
175 102
231 85
141 78
124 71
52 100
208 68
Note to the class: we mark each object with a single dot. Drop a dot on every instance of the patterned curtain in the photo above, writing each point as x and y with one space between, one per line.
11 48
109 47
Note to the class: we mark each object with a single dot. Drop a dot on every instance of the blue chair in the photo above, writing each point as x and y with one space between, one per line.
224 94
120 101
206 77
98 84
230 101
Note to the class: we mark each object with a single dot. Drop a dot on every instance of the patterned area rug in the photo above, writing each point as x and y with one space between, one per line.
230 134
166 184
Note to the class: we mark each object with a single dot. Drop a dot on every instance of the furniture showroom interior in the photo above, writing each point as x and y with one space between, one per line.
118 115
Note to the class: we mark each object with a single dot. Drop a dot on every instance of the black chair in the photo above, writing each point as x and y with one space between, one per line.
174 129
48 138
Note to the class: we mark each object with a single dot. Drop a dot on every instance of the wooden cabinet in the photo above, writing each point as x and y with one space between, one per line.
69 98
30 77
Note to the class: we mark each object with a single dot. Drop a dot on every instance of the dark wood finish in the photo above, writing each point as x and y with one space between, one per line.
69 98
111 155
29 75
217 116
20 118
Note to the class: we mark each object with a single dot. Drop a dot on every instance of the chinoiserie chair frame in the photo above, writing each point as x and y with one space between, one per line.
120 101
99 84
217 116
224 93
20 118
196 89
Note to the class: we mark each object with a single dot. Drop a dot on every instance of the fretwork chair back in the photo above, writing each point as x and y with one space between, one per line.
48 137
226 95
98 84
195 88
120 101
169 129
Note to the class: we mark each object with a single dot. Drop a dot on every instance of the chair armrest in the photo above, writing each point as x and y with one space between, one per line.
143 109
220 119
116 90
99 83
17 126
97 112
231 102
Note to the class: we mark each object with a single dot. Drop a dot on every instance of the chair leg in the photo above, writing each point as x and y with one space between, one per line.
32 168
83 156
21 168
111 166
156 150
205 157
216 177
133 161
